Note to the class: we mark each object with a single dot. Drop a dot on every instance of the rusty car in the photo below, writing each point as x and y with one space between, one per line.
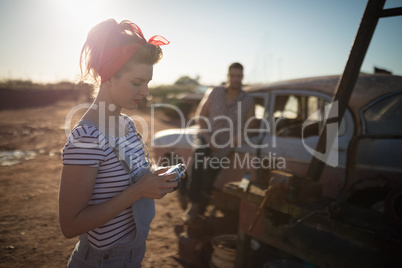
364 165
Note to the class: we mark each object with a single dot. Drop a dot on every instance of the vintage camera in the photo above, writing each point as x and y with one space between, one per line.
179 169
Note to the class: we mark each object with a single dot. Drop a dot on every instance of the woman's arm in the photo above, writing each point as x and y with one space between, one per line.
77 183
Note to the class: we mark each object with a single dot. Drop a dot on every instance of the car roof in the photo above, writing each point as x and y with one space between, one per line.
367 87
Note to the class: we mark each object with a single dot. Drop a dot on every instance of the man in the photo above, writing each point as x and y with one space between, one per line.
222 116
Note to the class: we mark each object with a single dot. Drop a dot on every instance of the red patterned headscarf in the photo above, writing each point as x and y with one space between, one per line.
114 58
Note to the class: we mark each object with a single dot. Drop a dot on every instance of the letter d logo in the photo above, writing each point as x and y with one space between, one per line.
330 157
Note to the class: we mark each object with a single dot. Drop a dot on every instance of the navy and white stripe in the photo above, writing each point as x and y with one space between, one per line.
87 146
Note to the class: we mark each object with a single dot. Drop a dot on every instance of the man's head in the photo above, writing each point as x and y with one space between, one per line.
235 75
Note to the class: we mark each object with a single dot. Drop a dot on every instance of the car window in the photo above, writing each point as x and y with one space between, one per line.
288 115
259 107
315 104
254 126
316 111
300 114
286 107
384 117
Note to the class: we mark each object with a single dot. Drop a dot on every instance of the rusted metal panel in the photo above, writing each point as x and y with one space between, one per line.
315 232
373 163
350 75
391 12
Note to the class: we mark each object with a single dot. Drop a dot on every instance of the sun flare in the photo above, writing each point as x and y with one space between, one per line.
82 13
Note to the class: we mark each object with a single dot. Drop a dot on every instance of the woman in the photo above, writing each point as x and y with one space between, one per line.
107 188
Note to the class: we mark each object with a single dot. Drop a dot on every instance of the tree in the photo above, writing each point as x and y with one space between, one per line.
186 80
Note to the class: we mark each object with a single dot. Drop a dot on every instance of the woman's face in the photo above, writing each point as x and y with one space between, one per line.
128 90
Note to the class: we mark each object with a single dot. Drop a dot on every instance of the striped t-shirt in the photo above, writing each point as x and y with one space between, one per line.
87 146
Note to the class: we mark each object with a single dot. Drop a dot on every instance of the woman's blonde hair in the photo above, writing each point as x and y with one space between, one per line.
110 34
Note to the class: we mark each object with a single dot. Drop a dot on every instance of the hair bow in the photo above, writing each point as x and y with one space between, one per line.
114 58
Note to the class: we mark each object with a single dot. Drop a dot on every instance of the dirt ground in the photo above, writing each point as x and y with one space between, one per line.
29 227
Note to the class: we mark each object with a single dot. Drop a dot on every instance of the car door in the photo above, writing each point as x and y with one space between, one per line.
378 151
295 118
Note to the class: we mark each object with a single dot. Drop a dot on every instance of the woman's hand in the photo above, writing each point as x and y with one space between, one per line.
77 183
155 185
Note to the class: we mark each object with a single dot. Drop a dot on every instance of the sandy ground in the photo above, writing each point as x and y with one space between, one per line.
29 227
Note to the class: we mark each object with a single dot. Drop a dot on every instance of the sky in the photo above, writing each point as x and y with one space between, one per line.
274 39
